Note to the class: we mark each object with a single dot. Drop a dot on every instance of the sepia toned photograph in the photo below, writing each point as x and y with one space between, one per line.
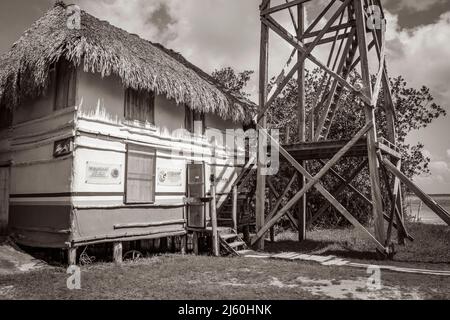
224 156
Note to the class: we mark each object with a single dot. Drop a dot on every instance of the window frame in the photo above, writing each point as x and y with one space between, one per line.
148 151
190 117
138 95
57 79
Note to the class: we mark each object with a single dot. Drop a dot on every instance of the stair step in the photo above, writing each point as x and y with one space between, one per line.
224 230
242 252
228 236
236 244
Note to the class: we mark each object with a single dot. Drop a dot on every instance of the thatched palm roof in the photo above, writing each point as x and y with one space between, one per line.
101 47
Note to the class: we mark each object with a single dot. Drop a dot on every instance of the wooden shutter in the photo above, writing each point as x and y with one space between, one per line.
189 119
65 85
5 116
140 177
4 199
140 105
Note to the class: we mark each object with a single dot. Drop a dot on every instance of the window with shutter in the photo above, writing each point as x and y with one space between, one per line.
140 175
65 84
5 116
140 105
194 121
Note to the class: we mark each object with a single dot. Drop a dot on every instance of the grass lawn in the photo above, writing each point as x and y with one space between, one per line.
175 276
430 248
203 277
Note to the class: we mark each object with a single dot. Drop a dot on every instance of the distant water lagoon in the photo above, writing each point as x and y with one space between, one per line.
419 212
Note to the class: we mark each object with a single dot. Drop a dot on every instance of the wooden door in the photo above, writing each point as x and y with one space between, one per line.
4 199
196 215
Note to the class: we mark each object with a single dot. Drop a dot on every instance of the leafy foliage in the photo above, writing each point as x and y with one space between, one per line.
232 81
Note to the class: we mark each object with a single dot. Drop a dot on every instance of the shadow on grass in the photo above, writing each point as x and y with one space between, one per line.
306 246
431 245
319 247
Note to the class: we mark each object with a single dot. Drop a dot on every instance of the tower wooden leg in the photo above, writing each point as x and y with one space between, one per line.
72 256
195 242
183 243
163 244
117 252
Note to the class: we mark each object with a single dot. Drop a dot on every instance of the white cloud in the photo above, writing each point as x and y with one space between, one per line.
417 5
439 167
421 54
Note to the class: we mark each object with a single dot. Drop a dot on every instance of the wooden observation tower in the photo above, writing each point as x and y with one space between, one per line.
353 33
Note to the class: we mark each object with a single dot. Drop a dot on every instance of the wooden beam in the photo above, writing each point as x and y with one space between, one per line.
291 13
400 218
343 180
183 244
283 33
280 198
346 183
302 56
72 256
282 6
377 208
263 81
334 87
426 199
340 27
117 252
234 209
301 106
195 242
380 74
313 181
398 209
330 39
213 215
320 16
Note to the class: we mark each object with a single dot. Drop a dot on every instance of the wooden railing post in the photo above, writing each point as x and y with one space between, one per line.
234 212
215 236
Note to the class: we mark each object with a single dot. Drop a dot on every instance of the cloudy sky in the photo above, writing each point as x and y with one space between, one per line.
217 33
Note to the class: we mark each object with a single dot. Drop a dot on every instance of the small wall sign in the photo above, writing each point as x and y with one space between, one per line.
62 147
100 173
170 177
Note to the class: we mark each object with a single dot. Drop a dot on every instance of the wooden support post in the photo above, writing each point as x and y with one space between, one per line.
72 256
377 208
427 200
173 244
183 244
339 190
163 244
117 252
157 244
234 209
272 230
301 210
213 213
263 81
400 218
314 182
246 233
195 242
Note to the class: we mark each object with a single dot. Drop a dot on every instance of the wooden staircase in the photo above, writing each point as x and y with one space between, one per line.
231 242
334 96
238 199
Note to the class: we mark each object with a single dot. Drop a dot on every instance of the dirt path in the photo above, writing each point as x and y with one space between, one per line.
13 260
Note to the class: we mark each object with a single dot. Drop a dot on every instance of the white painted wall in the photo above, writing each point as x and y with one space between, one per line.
104 133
